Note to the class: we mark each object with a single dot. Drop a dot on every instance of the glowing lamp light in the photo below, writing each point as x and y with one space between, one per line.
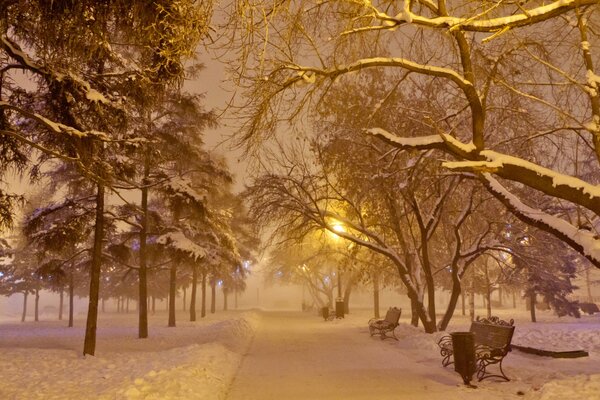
339 228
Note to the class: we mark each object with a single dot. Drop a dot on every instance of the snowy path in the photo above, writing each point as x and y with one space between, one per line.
299 356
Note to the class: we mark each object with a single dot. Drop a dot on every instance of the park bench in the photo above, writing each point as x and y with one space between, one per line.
492 344
381 327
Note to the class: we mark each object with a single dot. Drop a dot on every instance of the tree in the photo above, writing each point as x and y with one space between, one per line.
86 80
544 266
512 108
308 194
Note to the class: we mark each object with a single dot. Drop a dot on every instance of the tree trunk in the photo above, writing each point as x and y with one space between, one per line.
472 297
462 302
71 298
213 297
103 301
588 285
127 305
203 288
347 293
414 317
89 344
225 296
184 298
488 292
500 295
339 282
60 304
37 305
514 296
143 271
532 302
172 293
193 296
376 295
25 295
456 289
235 299
153 304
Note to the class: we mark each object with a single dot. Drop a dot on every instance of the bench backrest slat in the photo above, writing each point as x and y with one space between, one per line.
393 315
495 336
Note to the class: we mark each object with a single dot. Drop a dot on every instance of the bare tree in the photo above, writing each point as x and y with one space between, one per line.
517 89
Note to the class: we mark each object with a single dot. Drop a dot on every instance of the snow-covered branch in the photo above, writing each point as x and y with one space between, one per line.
53 126
481 22
15 52
307 73
546 180
509 167
584 241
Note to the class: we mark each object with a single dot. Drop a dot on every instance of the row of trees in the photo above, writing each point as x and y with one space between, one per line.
91 106
438 134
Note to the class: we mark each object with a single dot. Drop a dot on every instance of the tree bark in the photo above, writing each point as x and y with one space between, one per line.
225 296
143 271
500 295
456 290
472 296
37 305
203 288
347 293
588 285
414 317
153 304
488 292
61 300
127 305
89 343
184 298
172 293
376 295
71 298
462 302
193 296
213 296
532 301
24 314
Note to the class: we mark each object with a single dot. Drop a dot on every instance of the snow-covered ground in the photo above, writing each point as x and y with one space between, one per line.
195 360
199 360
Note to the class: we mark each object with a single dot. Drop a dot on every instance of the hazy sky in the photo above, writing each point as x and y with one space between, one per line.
217 89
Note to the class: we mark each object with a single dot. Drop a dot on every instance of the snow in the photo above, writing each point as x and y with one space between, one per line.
296 356
486 24
423 141
178 241
497 160
588 241
288 355
195 360
291 355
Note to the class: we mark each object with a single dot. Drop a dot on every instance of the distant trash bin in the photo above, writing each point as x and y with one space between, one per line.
463 348
339 307
325 313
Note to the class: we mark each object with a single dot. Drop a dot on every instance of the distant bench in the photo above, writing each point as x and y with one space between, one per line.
492 344
383 326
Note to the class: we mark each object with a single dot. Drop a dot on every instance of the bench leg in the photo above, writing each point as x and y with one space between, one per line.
482 373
